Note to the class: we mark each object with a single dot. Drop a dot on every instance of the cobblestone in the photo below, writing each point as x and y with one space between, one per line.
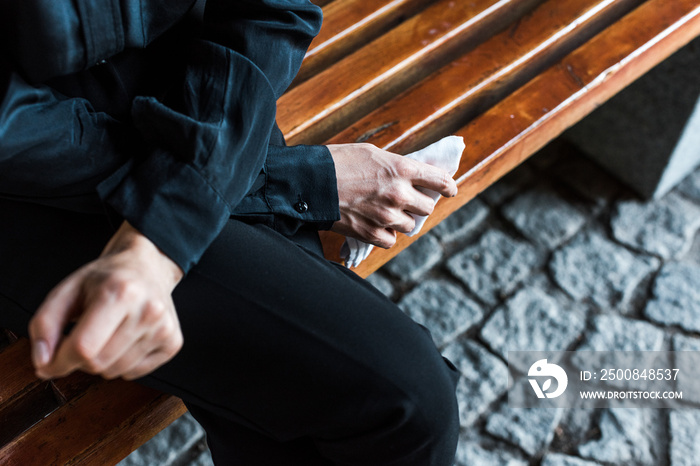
494 266
508 185
615 333
557 459
632 437
443 308
168 445
544 217
472 454
685 437
592 267
665 228
687 365
463 222
484 378
530 429
382 283
690 186
676 297
416 260
531 321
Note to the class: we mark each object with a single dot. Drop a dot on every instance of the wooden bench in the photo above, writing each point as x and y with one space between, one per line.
507 75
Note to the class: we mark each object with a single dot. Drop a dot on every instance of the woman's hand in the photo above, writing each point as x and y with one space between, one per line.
125 320
376 189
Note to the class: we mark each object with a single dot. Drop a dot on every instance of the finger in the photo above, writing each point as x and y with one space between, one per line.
382 237
145 366
126 336
404 223
420 204
132 357
154 359
434 178
46 327
98 323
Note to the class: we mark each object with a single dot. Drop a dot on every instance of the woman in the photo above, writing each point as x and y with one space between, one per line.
164 233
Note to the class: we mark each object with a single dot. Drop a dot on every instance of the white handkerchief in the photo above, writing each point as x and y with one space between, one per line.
444 154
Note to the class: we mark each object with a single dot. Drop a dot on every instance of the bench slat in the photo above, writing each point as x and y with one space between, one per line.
323 105
349 24
524 122
446 100
17 378
108 408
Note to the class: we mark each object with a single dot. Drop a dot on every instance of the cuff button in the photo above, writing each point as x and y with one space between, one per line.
301 207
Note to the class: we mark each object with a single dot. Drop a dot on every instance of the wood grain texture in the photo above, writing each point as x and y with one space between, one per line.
108 420
518 126
350 24
16 377
320 107
449 98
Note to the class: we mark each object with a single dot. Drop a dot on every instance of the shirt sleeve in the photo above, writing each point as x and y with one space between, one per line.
208 137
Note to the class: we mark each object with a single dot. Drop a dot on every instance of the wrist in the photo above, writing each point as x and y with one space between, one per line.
128 240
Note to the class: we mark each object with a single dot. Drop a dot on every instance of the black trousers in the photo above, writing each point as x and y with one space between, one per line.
288 359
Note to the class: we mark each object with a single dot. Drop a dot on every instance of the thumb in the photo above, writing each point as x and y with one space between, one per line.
46 327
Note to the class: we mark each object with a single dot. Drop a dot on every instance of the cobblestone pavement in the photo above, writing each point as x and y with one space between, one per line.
556 256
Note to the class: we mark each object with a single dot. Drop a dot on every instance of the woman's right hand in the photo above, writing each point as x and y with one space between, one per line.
377 190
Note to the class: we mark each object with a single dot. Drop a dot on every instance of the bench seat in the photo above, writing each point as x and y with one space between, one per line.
507 75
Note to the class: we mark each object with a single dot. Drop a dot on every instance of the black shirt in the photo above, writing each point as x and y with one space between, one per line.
167 118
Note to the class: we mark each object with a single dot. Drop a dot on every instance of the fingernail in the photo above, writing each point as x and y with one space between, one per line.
41 353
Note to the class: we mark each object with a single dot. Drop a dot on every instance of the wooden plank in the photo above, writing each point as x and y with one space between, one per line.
6 338
153 417
27 410
446 100
17 371
118 416
350 24
523 123
318 108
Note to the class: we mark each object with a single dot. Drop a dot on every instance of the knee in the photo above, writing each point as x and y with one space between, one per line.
426 419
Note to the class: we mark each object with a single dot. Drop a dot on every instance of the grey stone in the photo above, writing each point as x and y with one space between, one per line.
508 185
171 443
615 333
531 321
685 437
203 459
592 267
381 283
472 454
484 378
558 459
443 308
676 297
461 223
494 266
415 261
631 437
690 186
687 360
664 228
684 343
649 134
543 216
530 429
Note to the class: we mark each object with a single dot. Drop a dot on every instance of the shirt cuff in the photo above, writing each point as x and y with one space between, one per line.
301 184
152 200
